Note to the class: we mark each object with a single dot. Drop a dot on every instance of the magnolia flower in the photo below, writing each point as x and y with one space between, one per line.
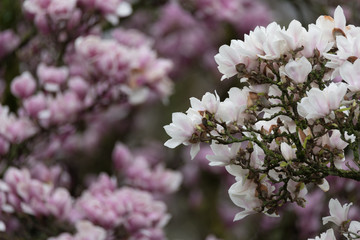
223 154
319 103
242 193
350 73
328 235
182 129
287 151
354 227
209 102
294 35
327 23
227 59
24 85
315 40
333 141
297 189
232 109
338 213
298 69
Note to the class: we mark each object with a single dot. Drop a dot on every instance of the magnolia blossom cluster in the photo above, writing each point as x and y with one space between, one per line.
99 73
59 17
188 27
103 204
138 171
291 118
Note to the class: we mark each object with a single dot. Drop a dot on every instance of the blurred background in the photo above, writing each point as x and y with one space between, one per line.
189 33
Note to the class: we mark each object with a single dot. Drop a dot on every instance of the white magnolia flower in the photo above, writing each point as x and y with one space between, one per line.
328 235
334 141
298 69
350 138
222 154
319 103
350 73
327 23
315 40
287 151
227 59
297 189
181 130
242 193
338 213
324 185
354 227
209 102
232 109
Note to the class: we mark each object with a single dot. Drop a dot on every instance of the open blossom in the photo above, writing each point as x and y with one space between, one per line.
333 140
181 130
287 151
319 103
242 193
350 73
338 213
298 69
328 235
222 154
209 102
354 227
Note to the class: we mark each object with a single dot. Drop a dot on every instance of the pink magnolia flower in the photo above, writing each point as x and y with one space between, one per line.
52 77
24 85
338 213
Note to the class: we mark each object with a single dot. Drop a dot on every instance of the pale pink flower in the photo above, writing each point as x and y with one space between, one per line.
227 59
319 103
350 73
180 130
338 213
334 141
209 102
294 35
315 40
298 69
232 109
222 154
242 193
327 23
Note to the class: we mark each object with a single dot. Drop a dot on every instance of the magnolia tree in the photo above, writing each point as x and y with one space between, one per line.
291 120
